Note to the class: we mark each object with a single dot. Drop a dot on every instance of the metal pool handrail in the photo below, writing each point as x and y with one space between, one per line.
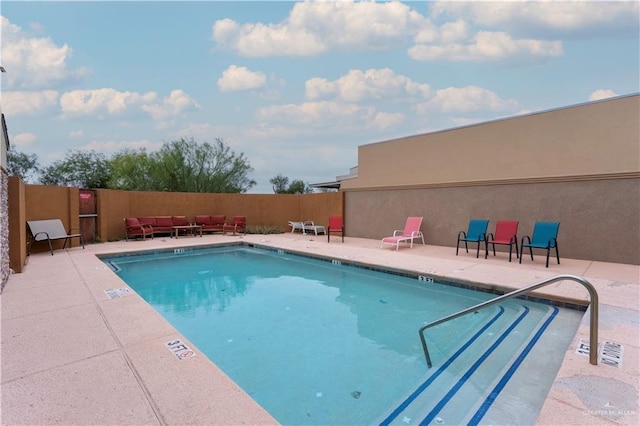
593 319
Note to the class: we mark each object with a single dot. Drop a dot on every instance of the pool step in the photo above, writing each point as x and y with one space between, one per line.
474 375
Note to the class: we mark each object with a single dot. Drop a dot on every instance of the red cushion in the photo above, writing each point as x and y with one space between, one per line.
148 220
179 220
239 220
218 219
203 220
132 221
164 221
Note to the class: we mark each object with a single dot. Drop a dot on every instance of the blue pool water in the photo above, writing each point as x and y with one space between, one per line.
326 344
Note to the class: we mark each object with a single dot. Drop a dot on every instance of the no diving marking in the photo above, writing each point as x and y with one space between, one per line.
609 353
179 349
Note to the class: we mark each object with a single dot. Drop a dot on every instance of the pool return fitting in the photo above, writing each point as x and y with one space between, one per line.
593 318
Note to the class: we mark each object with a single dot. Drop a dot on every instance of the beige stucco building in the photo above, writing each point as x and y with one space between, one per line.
578 165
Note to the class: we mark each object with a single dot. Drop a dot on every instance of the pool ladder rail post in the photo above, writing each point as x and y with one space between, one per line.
593 318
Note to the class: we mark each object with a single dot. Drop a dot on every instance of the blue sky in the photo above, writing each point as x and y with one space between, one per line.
298 86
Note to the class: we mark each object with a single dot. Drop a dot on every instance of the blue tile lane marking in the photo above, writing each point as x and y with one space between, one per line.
114 266
439 371
507 376
434 412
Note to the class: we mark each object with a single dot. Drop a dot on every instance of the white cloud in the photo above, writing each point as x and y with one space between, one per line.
237 78
23 140
315 27
175 104
317 114
453 31
372 84
76 134
485 46
18 103
34 62
108 147
385 120
602 94
544 17
112 102
466 99
101 101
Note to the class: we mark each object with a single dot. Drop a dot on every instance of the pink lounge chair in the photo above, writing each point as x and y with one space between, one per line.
411 231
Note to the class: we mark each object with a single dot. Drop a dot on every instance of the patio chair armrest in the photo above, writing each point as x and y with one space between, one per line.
528 239
395 233
35 237
463 234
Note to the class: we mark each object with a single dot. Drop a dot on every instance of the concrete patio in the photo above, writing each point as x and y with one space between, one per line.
72 355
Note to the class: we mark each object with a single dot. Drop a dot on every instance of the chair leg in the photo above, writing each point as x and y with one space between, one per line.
457 246
466 246
50 247
478 251
531 252
517 248
548 250
521 249
557 254
510 252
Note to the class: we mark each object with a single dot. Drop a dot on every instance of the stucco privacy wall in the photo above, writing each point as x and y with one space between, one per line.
17 224
260 209
579 166
34 202
598 219
584 141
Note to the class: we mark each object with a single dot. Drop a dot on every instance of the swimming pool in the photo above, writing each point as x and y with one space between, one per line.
316 342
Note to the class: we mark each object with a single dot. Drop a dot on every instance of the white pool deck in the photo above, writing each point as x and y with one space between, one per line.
73 356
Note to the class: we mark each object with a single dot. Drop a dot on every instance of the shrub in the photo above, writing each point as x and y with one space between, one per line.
264 229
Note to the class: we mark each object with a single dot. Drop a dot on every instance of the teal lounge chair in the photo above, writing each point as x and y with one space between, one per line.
476 233
545 236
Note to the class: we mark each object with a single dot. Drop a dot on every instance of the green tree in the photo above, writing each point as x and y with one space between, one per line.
24 166
281 185
188 166
183 166
133 170
83 169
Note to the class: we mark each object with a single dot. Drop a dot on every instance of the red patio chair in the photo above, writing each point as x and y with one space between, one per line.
335 225
506 234
237 225
135 229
